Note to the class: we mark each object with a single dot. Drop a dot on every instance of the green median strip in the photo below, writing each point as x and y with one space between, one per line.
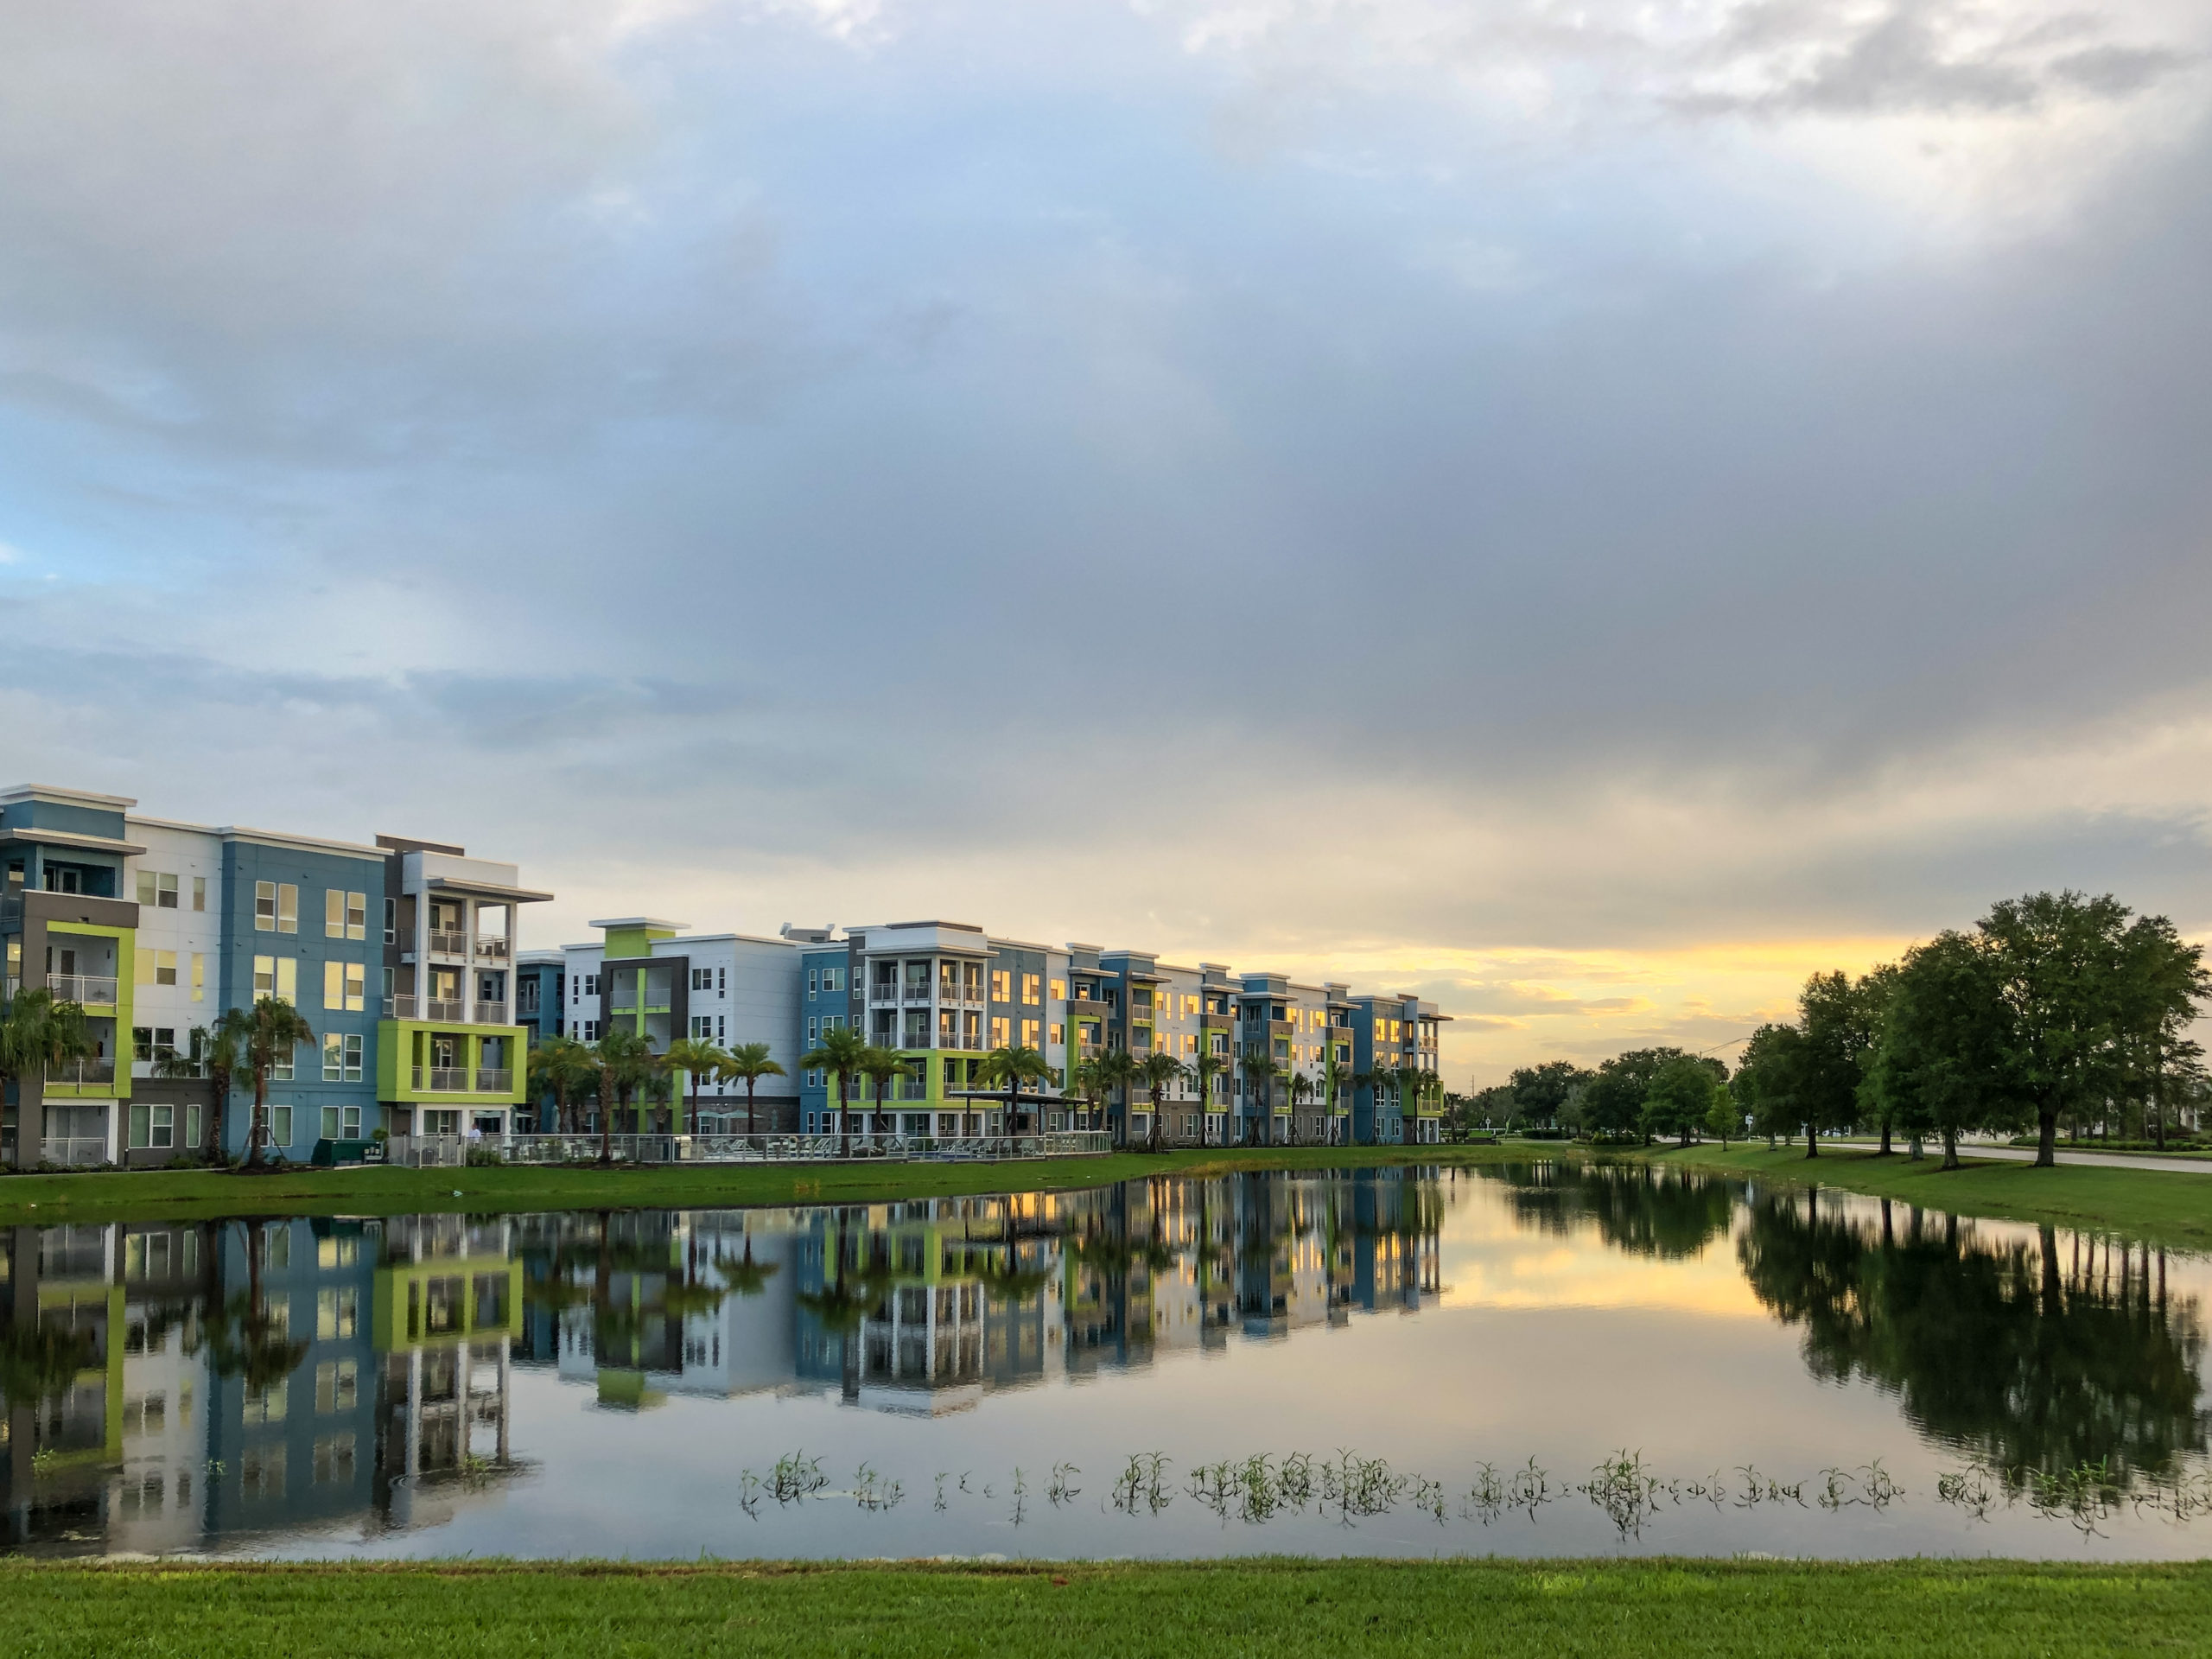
1280 1609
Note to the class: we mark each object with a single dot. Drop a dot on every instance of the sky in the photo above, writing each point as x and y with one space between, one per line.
1586 512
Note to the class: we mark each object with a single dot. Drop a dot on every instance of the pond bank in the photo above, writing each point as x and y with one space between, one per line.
2172 1207
1274 1607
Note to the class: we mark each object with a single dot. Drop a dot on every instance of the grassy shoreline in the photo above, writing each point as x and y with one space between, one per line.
2155 1205
197 1194
1272 1607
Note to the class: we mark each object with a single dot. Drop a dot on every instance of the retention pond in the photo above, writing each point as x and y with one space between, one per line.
1547 1359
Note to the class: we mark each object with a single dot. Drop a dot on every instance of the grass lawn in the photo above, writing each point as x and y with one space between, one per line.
1273 1608
192 1194
2172 1209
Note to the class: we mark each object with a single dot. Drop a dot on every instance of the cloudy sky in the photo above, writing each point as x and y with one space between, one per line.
1591 511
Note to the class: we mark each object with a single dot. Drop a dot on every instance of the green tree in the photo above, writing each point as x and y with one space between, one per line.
1260 1070
1838 1018
1611 1100
882 1067
1946 1058
1724 1118
39 1035
275 1030
1541 1091
564 1067
1112 1069
627 1063
1012 1066
839 1054
748 1063
1336 1077
1202 1072
1679 1098
1153 1073
697 1059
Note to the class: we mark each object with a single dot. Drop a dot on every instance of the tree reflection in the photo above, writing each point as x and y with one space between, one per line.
2031 1356
1667 1214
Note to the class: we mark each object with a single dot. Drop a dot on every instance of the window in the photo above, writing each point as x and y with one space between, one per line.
265 976
340 1122
1029 1028
591 984
288 907
153 1127
192 1125
1057 1032
199 893
1032 990
264 907
156 891
813 980
333 985
341 1063
703 979
1001 1029
333 1460
157 967
721 981
280 1123
267 1405
391 921
812 1034
1060 990
591 1030
287 979
337 1314
1001 985
337 1386
199 977
833 979
334 913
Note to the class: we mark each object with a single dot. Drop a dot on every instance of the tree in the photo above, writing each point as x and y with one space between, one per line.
1416 1084
2163 981
1154 1072
627 1063
1680 1097
1540 1091
1947 1056
839 1054
2064 963
274 1032
1299 1087
222 1051
1838 1018
1611 1100
1260 1070
749 1063
696 1058
1336 1077
39 1035
1767 1080
1112 1069
882 1066
1202 1070
1724 1118
1012 1066
564 1065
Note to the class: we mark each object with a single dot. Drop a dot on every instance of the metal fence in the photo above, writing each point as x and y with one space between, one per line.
447 1151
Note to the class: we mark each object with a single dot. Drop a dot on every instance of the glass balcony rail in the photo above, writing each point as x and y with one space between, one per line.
492 950
494 1080
74 1149
401 1007
443 944
441 1079
916 993
883 991
77 1073
490 1014
93 991
441 1008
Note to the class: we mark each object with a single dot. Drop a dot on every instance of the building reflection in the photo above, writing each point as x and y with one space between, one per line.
178 1387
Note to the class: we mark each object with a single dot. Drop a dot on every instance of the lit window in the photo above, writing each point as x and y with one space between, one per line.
199 893
1029 1033
265 976
334 913
288 907
264 907
1001 985
1060 990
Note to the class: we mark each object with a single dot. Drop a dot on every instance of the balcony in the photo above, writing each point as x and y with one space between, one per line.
79 1073
490 1014
494 1080
438 1008
92 990
883 995
917 995
441 1079
491 949
400 1007
448 944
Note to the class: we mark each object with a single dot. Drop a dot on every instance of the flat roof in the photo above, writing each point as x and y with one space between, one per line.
635 921
61 796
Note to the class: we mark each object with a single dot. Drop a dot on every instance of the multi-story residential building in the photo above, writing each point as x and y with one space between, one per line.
397 953
1389 1034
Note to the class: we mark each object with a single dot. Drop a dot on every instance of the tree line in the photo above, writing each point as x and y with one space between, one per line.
2053 1009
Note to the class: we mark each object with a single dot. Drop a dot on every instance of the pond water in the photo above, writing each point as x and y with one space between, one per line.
1545 1359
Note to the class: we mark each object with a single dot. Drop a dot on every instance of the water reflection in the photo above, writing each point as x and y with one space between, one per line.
299 1385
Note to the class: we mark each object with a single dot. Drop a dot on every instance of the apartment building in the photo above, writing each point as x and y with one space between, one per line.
397 953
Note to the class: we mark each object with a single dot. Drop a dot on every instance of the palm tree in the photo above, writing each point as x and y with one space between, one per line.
696 1057
627 1062
192 1062
1202 1072
1414 1085
272 1030
1260 1071
840 1053
880 1066
748 1062
1112 1069
1335 1076
1155 1071
563 1064
1087 1080
1299 1087
39 1036
1010 1066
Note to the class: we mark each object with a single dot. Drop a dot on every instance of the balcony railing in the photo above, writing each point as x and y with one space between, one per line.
400 1007
74 1149
79 1073
441 1079
916 993
93 991
448 944
442 1009
494 1080
883 993
490 1014
492 950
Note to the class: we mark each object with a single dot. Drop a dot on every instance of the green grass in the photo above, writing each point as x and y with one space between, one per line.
2173 1209
1278 1609
193 1194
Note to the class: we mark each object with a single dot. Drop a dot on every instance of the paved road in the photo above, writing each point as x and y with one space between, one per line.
2101 1159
